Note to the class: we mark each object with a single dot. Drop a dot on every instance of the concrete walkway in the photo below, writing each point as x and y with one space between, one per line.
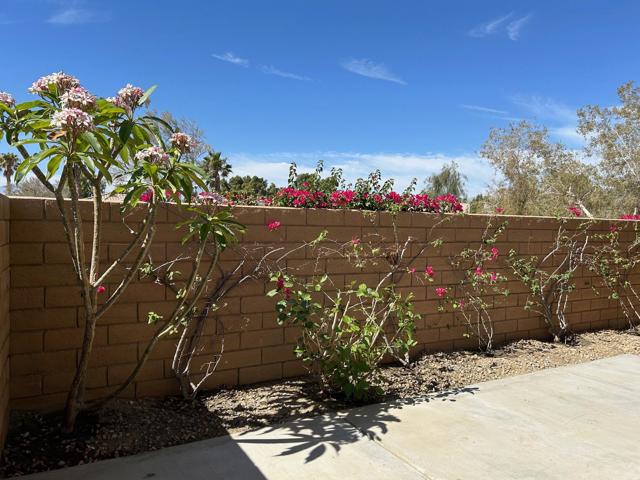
575 422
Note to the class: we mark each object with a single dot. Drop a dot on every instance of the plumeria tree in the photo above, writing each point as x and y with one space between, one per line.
69 134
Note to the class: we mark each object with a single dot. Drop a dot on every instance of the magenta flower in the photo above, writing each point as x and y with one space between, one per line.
280 283
146 196
441 292
274 225
499 210
494 276
478 271
355 241
494 253
575 210
411 270
101 289
428 271
461 304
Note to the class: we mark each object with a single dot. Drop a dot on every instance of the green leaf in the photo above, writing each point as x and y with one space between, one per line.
146 95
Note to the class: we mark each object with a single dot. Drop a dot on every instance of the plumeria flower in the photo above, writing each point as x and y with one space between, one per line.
183 142
154 155
72 120
494 253
7 99
78 97
101 289
274 225
428 271
128 98
60 80
441 292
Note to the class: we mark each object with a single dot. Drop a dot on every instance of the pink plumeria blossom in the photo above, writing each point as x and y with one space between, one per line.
128 98
146 196
154 155
495 253
60 80
78 97
7 99
499 210
183 142
273 225
441 292
575 210
72 120
101 289
428 271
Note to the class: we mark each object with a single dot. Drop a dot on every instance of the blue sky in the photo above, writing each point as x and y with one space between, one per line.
398 85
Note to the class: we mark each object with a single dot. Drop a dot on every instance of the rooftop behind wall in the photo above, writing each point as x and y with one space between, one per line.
46 316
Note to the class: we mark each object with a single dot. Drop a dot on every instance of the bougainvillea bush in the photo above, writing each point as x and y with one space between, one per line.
69 134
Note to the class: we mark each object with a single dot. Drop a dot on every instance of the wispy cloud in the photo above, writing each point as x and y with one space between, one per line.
490 27
560 118
229 57
371 69
403 167
479 108
513 29
76 16
271 70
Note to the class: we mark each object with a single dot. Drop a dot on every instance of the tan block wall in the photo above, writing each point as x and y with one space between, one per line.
46 319
4 318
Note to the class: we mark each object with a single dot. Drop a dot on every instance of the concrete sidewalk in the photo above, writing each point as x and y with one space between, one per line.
575 422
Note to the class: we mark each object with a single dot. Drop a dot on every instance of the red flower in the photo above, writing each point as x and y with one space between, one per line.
355 241
287 293
577 211
494 253
478 270
280 283
146 196
273 225
428 271
441 292
101 289
499 210
494 276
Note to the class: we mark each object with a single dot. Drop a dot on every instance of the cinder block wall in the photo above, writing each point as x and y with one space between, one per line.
46 319
4 318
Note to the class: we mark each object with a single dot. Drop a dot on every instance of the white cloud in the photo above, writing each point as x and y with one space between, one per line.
371 69
402 167
271 70
229 57
561 118
76 16
490 27
479 108
513 29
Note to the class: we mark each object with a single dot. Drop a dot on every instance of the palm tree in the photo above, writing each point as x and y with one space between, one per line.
449 180
8 162
217 168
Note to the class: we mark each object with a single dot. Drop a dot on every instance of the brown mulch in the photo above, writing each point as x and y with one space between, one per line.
36 444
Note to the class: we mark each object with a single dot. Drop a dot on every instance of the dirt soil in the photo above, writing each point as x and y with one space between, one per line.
36 444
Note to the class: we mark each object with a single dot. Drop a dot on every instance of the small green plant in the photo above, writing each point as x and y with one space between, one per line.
347 333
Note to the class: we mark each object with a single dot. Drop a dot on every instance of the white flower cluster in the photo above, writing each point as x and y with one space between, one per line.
72 120
128 98
78 97
153 155
183 142
61 80
7 99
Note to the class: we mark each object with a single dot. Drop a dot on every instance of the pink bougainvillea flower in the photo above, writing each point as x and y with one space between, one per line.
287 293
494 276
411 270
101 289
575 210
280 283
428 271
441 292
355 241
499 210
146 196
478 271
494 253
274 225
630 216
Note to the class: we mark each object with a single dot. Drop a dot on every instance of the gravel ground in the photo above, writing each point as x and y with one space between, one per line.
128 427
